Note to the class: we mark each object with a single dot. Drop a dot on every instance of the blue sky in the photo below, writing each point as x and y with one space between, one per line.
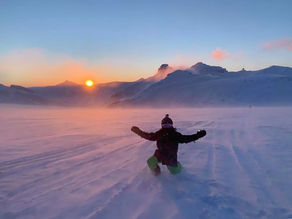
126 40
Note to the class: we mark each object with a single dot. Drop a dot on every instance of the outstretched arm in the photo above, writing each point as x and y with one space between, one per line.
149 136
189 138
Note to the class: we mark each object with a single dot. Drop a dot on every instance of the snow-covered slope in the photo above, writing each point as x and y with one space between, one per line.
20 95
103 94
65 94
110 93
85 163
199 85
70 93
203 85
162 73
201 68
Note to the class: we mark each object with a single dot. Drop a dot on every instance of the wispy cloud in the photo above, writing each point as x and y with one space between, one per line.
36 67
284 44
220 55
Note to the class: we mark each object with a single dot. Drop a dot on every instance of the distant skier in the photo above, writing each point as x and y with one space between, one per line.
167 145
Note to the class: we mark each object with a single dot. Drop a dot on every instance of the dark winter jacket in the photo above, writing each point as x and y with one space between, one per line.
167 140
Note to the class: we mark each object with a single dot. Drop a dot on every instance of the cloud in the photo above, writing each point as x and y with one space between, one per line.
285 44
220 55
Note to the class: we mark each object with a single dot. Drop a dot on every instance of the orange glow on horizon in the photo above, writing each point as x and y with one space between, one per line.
34 67
89 83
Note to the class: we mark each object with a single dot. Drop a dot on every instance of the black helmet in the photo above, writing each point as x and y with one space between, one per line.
166 122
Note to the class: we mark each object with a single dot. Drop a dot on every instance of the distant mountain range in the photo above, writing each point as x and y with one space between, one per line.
199 85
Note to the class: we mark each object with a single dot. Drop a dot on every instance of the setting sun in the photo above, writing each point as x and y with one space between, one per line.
89 83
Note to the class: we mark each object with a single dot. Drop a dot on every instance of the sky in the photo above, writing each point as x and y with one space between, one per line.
47 42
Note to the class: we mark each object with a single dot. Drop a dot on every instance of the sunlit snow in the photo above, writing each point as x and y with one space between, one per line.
86 163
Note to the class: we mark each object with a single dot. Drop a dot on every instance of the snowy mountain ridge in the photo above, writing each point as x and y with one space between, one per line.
203 85
202 68
199 85
162 73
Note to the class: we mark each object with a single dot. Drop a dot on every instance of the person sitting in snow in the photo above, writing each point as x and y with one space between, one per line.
167 140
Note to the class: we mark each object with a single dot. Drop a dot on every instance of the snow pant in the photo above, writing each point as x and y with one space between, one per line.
153 164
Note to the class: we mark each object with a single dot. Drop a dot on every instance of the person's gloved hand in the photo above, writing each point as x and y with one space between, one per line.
135 129
201 133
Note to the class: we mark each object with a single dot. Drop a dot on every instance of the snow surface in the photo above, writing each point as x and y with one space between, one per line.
85 163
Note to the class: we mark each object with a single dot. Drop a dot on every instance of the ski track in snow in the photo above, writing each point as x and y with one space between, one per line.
85 163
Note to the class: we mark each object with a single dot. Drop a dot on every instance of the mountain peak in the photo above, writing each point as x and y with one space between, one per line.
201 67
21 88
163 67
276 67
67 83
162 72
